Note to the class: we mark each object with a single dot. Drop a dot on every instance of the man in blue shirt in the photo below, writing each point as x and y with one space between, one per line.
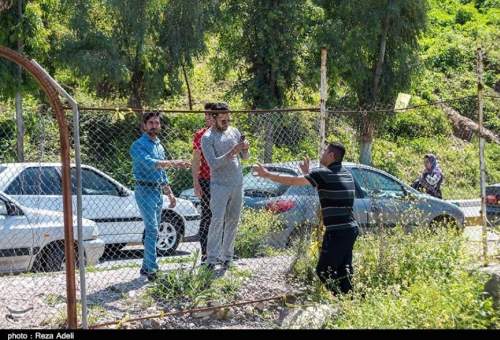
148 166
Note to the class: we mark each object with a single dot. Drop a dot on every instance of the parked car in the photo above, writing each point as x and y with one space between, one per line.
104 200
34 238
380 199
493 204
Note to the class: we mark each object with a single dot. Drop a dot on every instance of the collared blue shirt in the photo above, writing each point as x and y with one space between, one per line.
145 153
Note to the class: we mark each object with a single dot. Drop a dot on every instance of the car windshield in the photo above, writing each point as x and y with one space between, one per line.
256 186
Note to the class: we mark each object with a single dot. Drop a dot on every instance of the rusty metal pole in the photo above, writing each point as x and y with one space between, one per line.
57 106
480 86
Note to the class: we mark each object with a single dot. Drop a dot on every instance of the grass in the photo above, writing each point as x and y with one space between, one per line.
96 313
253 233
195 286
423 279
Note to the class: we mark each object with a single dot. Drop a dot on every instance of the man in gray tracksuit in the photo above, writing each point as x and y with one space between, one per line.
223 146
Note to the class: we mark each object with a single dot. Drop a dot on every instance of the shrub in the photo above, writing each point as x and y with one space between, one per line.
254 231
421 279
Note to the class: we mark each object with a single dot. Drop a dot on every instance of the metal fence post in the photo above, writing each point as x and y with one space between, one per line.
79 216
480 87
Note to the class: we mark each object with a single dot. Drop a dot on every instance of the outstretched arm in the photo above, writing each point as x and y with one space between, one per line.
260 171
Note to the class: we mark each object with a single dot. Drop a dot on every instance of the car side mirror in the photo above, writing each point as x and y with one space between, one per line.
122 192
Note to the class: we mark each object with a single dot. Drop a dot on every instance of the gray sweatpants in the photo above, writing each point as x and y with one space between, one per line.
225 203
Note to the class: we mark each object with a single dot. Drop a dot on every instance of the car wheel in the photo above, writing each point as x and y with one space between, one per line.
169 235
113 250
53 259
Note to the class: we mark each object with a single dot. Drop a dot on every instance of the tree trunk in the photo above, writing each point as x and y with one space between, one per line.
464 128
269 138
367 132
368 125
137 92
381 57
186 79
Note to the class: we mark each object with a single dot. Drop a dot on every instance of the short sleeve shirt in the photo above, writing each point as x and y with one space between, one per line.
336 191
204 172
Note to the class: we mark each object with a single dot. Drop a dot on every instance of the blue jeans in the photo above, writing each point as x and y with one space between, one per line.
150 202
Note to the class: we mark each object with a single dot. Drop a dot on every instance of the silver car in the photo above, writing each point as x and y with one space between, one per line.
381 199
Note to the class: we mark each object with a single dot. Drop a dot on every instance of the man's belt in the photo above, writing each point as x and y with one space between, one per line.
149 184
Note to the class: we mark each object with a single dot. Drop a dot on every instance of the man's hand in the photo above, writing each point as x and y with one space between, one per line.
259 171
235 151
176 164
168 191
182 164
173 201
304 166
245 146
197 190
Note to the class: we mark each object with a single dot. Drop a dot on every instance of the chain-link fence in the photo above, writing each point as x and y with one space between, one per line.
263 237
276 222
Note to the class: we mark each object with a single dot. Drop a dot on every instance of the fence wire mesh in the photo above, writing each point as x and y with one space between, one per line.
272 237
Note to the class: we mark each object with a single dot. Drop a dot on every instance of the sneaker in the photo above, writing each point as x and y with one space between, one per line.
203 259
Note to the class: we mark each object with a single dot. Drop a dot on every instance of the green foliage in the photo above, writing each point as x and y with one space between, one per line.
195 286
421 122
268 68
35 32
421 282
134 48
352 32
448 52
254 232
432 304
422 279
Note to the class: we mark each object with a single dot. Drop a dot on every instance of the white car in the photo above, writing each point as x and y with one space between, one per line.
104 200
34 239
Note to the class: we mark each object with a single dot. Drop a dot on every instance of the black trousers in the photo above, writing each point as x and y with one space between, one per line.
206 215
335 261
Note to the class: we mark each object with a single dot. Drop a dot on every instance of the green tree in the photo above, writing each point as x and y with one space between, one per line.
30 27
263 41
373 48
131 48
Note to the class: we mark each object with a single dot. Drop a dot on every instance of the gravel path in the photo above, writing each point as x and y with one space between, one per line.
116 291
38 300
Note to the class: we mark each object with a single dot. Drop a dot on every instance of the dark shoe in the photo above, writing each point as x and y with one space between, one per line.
226 265
203 259
208 266
151 276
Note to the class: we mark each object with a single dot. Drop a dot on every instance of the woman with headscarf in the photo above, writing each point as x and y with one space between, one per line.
431 178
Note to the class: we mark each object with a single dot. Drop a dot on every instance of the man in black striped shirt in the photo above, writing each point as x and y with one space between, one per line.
336 191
